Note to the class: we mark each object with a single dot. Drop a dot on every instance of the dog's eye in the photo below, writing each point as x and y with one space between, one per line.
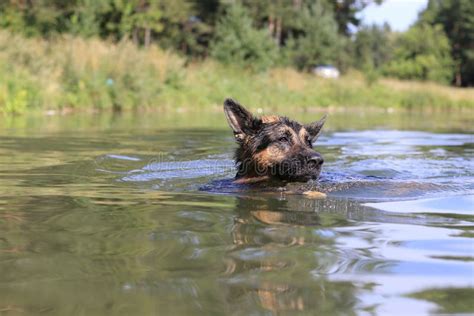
308 141
283 139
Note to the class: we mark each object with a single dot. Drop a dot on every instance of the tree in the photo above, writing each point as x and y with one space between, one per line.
315 39
135 19
373 46
85 17
423 53
32 18
457 20
278 16
345 13
188 26
237 41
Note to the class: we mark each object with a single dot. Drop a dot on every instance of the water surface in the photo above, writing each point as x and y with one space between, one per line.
136 215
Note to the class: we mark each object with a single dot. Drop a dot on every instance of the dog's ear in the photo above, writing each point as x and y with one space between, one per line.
314 129
240 120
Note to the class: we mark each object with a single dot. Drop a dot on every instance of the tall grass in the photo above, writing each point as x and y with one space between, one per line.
71 73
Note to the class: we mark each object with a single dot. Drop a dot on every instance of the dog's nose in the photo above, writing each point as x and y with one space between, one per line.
315 161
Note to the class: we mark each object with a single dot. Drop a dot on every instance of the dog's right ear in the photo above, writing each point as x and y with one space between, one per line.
240 120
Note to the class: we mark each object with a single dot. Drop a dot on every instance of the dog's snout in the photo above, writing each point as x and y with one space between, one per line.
315 161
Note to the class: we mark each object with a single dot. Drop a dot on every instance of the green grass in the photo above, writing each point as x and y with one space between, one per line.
75 74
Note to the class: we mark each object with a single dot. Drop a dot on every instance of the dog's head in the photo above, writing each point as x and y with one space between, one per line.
273 147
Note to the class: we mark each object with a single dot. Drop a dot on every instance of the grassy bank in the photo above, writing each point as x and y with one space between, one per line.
85 75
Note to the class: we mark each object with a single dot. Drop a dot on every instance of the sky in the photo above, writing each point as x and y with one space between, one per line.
399 14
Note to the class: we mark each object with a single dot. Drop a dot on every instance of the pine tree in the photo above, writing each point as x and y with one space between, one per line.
315 39
457 20
238 42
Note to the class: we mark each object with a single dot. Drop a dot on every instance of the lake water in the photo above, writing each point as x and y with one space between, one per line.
136 215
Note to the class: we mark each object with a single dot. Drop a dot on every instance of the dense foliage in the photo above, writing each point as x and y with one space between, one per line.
456 17
73 73
422 52
321 43
237 41
266 33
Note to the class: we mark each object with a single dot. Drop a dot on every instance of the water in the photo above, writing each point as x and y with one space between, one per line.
136 215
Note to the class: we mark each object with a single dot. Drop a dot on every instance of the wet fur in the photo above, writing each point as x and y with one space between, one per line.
273 147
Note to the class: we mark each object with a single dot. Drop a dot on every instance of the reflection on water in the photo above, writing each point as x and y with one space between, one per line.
449 205
145 221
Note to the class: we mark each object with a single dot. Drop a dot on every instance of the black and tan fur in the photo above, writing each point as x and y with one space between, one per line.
273 147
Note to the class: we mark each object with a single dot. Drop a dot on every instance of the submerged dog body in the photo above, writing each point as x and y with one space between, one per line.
273 147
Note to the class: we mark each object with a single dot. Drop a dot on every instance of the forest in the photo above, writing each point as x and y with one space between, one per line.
55 38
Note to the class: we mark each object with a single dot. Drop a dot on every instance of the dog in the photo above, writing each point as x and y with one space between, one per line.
273 147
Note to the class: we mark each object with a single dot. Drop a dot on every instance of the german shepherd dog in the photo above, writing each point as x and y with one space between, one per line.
273 147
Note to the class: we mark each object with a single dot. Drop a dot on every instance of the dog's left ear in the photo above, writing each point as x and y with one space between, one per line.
240 120
314 129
